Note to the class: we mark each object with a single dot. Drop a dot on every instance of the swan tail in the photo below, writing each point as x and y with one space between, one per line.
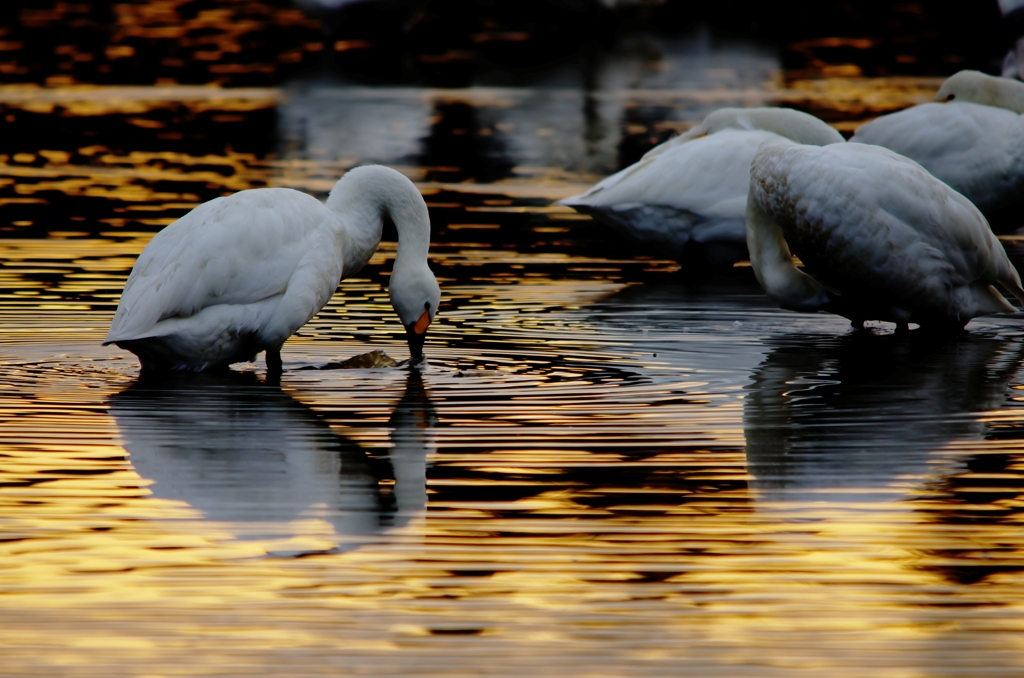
572 201
586 198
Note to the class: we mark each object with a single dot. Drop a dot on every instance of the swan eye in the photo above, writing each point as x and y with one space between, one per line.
950 97
426 305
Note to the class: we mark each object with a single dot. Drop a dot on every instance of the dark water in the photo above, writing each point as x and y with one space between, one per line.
602 472
588 478
439 43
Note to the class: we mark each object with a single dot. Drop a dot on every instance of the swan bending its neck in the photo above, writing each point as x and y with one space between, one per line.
883 238
241 273
782 281
362 199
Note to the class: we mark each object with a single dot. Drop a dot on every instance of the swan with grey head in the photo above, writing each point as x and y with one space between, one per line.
880 237
240 274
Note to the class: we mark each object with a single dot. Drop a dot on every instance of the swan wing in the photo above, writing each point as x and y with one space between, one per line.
236 250
877 226
969 146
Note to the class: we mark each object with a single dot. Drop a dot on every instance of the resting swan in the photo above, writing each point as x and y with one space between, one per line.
240 274
973 140
687 197
880 237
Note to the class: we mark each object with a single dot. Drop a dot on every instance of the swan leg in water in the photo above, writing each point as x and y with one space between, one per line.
275 366
880 237
240 274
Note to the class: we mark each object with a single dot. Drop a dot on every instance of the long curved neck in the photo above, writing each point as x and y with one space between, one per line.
362 199
782 281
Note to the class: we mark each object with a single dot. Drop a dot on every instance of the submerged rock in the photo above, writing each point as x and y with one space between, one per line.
364 361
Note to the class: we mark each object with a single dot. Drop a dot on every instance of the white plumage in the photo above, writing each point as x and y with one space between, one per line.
973 140
240 274
880 237
687 197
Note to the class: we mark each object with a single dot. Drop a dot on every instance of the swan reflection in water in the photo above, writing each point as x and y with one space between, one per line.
858 412
248 455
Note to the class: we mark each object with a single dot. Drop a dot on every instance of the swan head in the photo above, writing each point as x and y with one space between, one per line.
415 296
977 88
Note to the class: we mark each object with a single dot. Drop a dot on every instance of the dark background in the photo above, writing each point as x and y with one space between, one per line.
119 164
449 43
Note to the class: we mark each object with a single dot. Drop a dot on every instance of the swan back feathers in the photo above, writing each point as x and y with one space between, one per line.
236 250
793 125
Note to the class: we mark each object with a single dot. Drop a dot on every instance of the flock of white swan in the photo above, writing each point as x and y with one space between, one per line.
893 225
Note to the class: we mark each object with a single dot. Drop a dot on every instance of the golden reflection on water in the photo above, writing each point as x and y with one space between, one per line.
551 495
592 477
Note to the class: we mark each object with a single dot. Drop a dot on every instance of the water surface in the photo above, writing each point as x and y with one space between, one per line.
602 471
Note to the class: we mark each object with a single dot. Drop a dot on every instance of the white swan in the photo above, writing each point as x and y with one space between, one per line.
973 140
240 274
881 238
687 197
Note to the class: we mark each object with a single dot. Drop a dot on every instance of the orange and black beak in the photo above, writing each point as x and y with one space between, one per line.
416 333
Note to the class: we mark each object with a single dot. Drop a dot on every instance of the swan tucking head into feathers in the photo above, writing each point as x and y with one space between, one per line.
975 87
